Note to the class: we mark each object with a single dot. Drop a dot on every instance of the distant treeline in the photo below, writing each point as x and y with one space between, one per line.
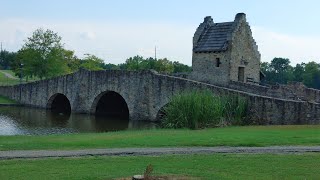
280 71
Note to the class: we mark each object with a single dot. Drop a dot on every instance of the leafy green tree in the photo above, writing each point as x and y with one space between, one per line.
6 59
298 72
280 64
265 67
110 66
278 71
164 65
178 67
73 61
92 63
134 63
311 77
42 55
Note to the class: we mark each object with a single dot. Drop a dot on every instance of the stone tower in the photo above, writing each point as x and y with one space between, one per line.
224 52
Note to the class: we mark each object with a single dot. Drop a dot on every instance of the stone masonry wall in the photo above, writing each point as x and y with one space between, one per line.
205 70
147 92
303 92
262 109
292 91
244 52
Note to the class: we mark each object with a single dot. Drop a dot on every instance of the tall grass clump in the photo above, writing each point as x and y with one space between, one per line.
200 109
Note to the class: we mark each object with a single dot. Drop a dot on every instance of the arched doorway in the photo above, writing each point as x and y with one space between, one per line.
59 104
110 104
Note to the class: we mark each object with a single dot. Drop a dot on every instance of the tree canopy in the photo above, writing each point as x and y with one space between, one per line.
42 55
280 71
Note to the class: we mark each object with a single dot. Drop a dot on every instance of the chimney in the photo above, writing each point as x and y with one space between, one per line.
240 16
208 20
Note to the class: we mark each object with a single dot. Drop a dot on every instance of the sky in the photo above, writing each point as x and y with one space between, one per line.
115 30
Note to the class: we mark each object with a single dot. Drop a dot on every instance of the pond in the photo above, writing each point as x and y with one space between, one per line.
34 121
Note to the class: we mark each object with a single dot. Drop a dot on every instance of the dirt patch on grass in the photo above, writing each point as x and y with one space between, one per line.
163 178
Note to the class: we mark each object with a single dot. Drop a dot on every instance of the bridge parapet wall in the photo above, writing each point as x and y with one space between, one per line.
146 92
262 109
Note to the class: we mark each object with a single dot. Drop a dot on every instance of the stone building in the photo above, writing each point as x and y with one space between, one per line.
224 52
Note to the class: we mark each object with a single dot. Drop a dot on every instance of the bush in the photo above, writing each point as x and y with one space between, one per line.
200 109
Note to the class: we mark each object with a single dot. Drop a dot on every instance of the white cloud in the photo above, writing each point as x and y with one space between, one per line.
297 48
88 35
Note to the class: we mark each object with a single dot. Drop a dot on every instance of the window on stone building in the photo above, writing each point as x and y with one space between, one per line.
218 62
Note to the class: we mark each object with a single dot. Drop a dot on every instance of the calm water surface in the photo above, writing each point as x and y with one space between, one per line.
32 121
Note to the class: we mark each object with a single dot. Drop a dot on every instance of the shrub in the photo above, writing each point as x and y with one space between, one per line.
200 109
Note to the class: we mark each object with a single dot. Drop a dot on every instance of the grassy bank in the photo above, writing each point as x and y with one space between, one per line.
5 100
228 136
7 81
216 166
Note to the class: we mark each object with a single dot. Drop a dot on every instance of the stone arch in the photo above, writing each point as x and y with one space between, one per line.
59 103
161 112
111 104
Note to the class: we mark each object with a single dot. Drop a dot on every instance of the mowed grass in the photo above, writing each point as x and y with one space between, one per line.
308 135
214 166
6 81
5 100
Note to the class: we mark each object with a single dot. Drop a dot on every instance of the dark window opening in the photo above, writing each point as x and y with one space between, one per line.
218 62
61 105
241 74
112 105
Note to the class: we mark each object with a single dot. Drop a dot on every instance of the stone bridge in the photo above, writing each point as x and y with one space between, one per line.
141 94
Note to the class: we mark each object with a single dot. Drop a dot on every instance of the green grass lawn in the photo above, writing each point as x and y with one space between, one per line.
10 72
5 81
5 100
215 166
308 135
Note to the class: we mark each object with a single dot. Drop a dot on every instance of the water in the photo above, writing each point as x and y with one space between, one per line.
32 121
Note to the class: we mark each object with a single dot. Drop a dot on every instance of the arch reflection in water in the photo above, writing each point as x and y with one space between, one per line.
24 120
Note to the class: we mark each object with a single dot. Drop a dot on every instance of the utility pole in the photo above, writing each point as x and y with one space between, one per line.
1 52
1 58
155 52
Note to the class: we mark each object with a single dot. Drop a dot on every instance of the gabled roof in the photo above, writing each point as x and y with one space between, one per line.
215 38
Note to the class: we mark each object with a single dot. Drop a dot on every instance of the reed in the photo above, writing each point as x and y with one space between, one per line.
200 109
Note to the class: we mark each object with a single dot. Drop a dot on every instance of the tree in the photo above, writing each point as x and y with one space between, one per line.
42 55
280 65
92 63
178 67
6 59
311 77
110 66
164 65
134 63
73 62
278 71
161 65
298 72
